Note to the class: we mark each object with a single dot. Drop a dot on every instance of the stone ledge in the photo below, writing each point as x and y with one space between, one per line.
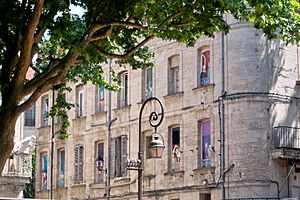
97 186
201 88
173 95
176 174
204 170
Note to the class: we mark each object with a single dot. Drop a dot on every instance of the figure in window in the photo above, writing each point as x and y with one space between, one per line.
176 152
206 155
205 68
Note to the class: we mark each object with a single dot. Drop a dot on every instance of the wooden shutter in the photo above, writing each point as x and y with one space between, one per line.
76 161
81 161
78 164
124 155
118 157
112 158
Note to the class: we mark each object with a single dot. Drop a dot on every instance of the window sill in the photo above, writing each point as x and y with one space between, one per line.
176 174
44 127
97 186
204 170
204 87
177 94
122 108
79 118
100 113
78 185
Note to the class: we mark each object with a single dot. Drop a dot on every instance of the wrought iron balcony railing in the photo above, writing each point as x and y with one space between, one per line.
286 137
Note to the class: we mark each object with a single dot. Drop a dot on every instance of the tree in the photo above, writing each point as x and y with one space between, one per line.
59 46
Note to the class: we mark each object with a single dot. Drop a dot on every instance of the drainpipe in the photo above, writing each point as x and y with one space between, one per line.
110 121
52 149
222 115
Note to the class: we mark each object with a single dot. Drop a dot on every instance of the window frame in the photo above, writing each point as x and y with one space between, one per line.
79 165
80 101
174 74
100 99
99 175
30 115
175 151
124 90
201 82
44 171
147 86
204 162
61 177
44 110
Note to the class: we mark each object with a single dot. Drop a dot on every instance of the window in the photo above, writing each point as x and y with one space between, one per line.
80 101
205 144
100 99
123 93
147 83
78 164
203 196
61 168
147 150
173 77
44 169
45 110
100 157
204 66
30 116
119 155
176 151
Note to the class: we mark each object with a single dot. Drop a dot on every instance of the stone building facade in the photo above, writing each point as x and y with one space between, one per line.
261 123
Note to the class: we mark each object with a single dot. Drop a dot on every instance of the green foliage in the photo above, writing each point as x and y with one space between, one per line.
60 109
29 189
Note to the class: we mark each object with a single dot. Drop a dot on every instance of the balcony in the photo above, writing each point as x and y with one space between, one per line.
286 143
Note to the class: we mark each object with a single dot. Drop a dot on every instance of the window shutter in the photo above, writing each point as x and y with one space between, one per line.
112 158
124 155
76 164
118 157
80 169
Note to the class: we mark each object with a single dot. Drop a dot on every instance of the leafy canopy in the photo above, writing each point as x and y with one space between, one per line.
62 46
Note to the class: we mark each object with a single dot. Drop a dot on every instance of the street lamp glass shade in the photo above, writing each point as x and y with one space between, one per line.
156 147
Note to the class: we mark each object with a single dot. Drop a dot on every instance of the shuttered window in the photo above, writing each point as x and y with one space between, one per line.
78 164
119 155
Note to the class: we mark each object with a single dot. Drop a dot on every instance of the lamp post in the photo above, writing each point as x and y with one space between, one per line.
99 163
156 145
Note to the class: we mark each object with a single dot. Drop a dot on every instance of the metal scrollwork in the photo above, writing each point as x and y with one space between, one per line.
154 119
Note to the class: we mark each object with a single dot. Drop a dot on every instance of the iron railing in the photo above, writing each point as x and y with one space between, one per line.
286 137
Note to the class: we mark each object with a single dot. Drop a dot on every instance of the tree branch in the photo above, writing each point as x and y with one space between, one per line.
126 55
102 36
38 92
26 46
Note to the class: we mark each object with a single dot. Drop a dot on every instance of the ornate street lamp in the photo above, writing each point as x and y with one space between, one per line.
156 145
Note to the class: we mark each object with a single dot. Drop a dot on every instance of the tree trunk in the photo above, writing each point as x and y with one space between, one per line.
7 132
